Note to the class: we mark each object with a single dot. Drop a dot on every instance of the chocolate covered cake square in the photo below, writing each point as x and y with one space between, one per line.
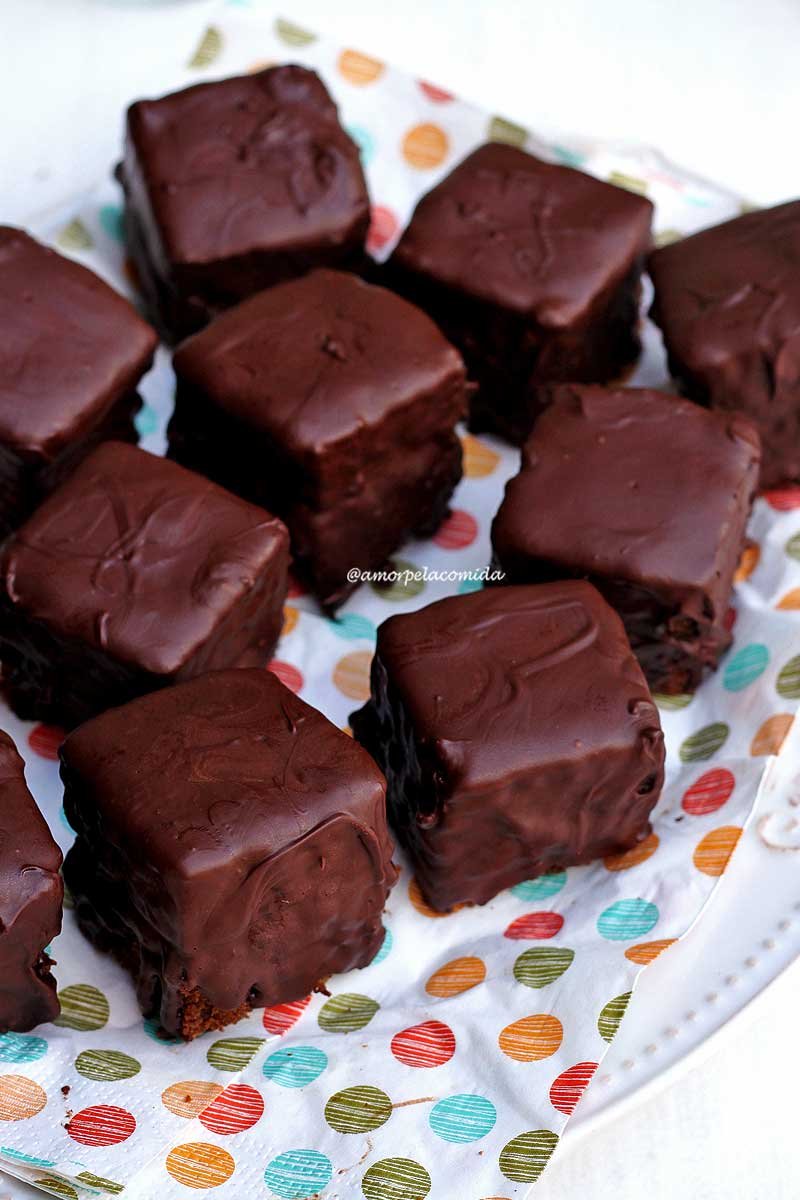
232 849
517 736
71 355
31 894
333 403
648 496
134 574
234 185
728 304
533 271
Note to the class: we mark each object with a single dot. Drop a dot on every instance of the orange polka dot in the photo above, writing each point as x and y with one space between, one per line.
190 1097
532 1038
291 616
479 460
20 1098
200 1165
791 601
351 675
771 735
455 977
645 952
425 146
359 69
634 856
713 852
422 906
748 562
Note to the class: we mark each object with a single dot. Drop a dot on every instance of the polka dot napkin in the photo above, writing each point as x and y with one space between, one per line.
450 1066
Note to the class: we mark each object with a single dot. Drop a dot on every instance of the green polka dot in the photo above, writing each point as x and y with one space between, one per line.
793 546
296 1174
347 1012
83 1007
631 183
673 703
627 919
501 130
208 50
97 1181
75 236
541 888
293 35
358 1110
396 1179
612 1014
525 1157
788 684
402 588
56 1187
542 965
21 1048
665 237
233 1054
106 1066
295 1066
705 743
744 667
463 1118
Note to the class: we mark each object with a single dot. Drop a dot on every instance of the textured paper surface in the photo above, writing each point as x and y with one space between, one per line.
447 1068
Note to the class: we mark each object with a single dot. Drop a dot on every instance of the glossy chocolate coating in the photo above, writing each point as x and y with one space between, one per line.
232 846
532 270
234 185
648 496
71 355
31 893
332 403
728 304
134 573
517 736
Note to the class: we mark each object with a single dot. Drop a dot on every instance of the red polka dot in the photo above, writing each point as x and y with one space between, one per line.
729 620
567 1089
436 94
287 674
101 1125
783 499
709 792
281 1017
383 226
457 530
238 1108
427 1045
44 740
535 925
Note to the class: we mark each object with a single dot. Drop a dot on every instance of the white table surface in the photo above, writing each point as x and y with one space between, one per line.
715 84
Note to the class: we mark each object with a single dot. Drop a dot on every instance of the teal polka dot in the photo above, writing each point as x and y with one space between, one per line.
463 1118
745 667
627 919
570 157
21 1048
541 888
146 420
353 626
388 942
64 820
153 1030
111 220
19 1156
295 1066
296 1174
469 585
365 142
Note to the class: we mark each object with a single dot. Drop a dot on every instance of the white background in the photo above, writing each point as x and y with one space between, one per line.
715 84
